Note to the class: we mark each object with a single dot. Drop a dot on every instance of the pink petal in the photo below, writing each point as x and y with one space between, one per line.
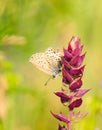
77 71
64 97
65 63
77 50
75 104
66 76
73 44
67 55
76 84
77 60
61 117
81 92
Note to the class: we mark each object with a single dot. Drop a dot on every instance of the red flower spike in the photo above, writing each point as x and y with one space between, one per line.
75 104
61 117
72 72
71 62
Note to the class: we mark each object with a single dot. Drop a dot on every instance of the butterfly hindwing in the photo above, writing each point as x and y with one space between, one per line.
39 61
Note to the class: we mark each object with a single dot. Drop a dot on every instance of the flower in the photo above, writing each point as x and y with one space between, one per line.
72 73
72 70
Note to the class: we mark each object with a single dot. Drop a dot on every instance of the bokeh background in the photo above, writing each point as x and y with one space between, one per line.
30 26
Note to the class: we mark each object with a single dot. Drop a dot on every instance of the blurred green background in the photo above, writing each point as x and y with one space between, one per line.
30 26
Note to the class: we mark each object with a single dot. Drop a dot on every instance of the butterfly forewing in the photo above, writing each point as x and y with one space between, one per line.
53 53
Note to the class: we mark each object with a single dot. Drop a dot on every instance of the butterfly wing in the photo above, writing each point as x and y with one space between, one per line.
48 62
52 52
39 61
53 57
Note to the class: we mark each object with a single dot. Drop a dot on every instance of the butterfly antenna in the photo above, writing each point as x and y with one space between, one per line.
48 80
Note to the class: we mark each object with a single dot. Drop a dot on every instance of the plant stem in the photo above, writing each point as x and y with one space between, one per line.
70 123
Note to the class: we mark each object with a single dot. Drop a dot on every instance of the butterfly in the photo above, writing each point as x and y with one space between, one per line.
48 61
